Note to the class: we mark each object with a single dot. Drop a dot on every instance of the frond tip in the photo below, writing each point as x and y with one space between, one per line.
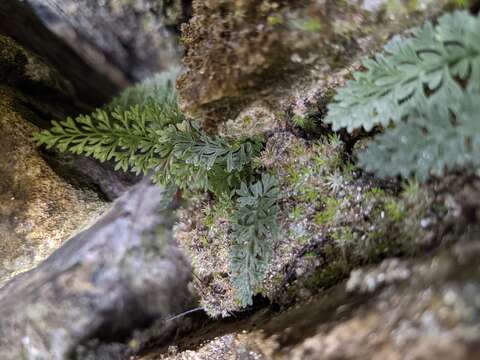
254 229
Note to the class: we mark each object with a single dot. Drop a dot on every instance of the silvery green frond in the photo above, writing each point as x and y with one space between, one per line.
417 71
255 227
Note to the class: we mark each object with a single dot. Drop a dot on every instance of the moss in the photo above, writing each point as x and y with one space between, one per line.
328 213
394 210
309 193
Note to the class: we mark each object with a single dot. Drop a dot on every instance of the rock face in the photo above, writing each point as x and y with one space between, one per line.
45 198
401 309
88 87
39 210
125 39
119 275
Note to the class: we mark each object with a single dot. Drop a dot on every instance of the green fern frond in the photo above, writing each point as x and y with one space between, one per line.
254 228
154 138
129 138
424 70
160 89
430 144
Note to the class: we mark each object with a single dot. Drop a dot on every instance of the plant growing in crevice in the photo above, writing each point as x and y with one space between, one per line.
144 131
425 89
254 228
155 139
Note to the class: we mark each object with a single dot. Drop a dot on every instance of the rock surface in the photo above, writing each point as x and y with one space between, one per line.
125 39
401 309
39 209
119 275
86 86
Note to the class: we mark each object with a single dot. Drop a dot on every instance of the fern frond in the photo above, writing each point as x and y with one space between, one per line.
146 141
254 227
129 138
195 147
431 143
424 70
160 89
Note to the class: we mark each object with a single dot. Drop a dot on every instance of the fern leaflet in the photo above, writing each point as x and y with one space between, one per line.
254 227
429 144
424 70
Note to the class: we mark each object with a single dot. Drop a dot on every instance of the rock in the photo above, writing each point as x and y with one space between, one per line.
124 39
243 52
430 314
43 200
88 85
39 210
121 274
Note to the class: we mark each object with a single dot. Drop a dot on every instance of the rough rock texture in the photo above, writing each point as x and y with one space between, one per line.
45 197
85 87
241 52
125 39
401 309
39 209
119 275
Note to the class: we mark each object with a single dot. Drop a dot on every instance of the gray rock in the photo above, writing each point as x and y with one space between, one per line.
122 38
82 87
121 274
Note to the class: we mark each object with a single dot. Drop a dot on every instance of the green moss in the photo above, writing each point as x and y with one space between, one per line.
311 25
374 193
394 210
274 20
309 194
336 268
327 215
319 162
297 213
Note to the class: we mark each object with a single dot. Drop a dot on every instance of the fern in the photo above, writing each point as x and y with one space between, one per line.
254 227
427 89
421 71
192 159
153 138
130 138
144 131
431 143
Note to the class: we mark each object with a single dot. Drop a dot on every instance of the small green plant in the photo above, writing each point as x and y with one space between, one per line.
426 88
328 213
255 226
144 131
